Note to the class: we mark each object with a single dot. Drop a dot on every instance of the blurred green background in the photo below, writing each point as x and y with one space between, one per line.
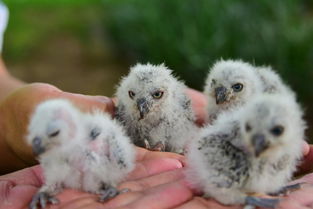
86 45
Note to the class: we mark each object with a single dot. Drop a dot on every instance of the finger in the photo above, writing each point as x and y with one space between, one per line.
144 154
70 195
93 205
89 103
306 164
308 178
202 203
76 199
14 196
122 200
291 204
163 196
303 196
152 181
305 148
194 204
153 166
305 179
199 104
28 176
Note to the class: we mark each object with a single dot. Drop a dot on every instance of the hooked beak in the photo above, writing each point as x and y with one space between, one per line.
259 143
220 95
37 146
143 107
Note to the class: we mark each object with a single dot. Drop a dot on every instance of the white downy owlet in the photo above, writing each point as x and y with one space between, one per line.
252 149
232 83
71 152
154 108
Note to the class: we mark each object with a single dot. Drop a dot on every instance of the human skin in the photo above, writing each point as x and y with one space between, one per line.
157 181
152 169
15 112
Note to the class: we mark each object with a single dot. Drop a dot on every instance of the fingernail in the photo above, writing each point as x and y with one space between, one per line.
174 163
103 99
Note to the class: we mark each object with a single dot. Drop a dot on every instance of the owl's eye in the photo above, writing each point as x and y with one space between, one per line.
248 127
131 94
277 130
213 82
55 133
157 94
237 87
95 132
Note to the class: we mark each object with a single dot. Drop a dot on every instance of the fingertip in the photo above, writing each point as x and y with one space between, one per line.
305 148
163 164
174 163
306 165
154 166
106 102
115 101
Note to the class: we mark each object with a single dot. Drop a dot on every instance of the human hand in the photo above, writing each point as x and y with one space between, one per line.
307 162
152 170
299 199
15 112
302 198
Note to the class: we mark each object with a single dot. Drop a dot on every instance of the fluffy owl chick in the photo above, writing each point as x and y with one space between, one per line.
110 156
53 133
154 108
230 83
272 82
251 150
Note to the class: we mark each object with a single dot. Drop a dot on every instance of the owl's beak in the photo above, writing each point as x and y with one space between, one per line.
220 95
37 146
143 107
259 143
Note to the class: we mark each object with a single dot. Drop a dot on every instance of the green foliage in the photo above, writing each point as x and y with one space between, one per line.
33 23
189 35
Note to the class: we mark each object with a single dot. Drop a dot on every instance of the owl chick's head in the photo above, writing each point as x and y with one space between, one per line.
108 138
100 129
147 90
230 82
271 124
53 123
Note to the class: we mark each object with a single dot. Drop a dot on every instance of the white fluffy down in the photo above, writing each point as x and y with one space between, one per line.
255 80
170 119
268 172
74 159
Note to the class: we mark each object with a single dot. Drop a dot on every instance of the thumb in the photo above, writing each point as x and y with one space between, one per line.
89 103
306 165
